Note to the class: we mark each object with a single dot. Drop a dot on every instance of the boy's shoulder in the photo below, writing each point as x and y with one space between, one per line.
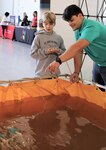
40 32
58 35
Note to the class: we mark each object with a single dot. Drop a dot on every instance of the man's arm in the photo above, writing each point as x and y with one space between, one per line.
74 49
74 77
78 62
72 52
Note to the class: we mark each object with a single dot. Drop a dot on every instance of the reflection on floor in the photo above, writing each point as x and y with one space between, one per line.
15 60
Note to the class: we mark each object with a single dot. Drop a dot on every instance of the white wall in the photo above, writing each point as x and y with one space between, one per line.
17 7
58 6
28 6
62 27
5 6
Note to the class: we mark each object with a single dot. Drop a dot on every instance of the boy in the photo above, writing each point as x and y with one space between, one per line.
46 46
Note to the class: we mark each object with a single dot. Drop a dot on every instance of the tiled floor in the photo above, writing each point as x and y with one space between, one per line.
15 60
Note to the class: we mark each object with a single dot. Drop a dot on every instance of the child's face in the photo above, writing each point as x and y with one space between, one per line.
48 26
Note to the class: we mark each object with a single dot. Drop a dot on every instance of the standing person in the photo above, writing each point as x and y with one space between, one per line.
34 20
91 36
25 21
4 23
46 46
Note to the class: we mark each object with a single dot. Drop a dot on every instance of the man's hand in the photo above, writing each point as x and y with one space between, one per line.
53 67
74 77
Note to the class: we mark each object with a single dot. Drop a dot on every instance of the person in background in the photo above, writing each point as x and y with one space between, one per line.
91 36
46 46
25 21
34 20
4 23
41 24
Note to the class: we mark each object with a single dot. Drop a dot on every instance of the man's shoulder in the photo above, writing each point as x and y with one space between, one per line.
92 22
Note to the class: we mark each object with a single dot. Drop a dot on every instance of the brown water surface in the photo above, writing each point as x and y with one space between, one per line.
60 129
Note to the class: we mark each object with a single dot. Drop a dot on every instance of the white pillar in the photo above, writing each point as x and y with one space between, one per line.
12 7
37 3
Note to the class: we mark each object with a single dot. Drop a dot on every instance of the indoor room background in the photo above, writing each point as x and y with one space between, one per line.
90 8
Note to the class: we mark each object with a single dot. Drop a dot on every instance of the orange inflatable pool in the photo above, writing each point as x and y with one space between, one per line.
29 97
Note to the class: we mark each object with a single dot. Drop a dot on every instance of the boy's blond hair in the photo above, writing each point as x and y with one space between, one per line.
49 16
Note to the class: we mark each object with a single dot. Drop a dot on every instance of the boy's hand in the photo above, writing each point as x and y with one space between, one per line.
52 50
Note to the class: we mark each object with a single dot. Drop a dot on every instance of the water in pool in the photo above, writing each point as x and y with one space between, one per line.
59 129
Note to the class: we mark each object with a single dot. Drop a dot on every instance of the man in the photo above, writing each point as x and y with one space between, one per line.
90 36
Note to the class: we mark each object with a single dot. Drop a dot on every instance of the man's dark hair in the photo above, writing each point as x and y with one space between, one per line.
71 11
6 14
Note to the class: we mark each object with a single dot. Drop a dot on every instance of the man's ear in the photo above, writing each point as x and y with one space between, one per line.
80 15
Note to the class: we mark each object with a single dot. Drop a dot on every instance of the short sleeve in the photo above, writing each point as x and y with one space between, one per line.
90 34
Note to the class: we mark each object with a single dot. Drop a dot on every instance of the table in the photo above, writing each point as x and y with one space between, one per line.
24 34
9 32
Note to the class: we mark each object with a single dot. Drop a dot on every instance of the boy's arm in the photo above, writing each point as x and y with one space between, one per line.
62 46
36 50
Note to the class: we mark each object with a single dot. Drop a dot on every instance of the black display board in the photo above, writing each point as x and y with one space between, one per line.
45 4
